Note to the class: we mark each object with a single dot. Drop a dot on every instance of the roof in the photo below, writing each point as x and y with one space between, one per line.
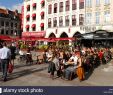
4 11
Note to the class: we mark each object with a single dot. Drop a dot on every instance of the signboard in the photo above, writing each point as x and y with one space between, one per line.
33 34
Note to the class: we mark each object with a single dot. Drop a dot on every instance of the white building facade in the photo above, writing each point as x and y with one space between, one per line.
66 18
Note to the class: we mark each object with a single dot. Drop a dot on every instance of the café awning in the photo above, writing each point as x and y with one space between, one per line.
33 15
27 26
34 4
33 25
5 37
96 35
42 2
42 13
42 25
27 16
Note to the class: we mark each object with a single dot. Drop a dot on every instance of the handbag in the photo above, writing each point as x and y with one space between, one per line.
10 68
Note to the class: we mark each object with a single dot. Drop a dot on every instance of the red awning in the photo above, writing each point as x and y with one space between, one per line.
42 2
34 4
33 15
42 24
27 16
27 26
4 37
27 6
42 13
33 25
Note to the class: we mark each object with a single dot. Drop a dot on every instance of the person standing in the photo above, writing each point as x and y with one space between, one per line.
13 54
5 55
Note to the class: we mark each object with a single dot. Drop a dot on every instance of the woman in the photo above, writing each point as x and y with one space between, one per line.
13 54
53 65
80 69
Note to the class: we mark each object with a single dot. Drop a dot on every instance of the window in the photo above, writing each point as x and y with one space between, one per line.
81 4
28 7
74 5
27 29
67 20
107 2
88 18
107 16
34 6
49 9
61 7
49 22
89 3
67 5
42 28
7 24
34 28
11 24
55 22
34 18
6 32
2 23
2 31
97 15
42 17
60 21
97 2
81 19
28 18
16 25
16 33
43 4
55 8
12 32
73 20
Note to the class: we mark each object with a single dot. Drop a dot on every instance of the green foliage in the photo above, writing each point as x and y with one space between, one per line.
43 47
23 46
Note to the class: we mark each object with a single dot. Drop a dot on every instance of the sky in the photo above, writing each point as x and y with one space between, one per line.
11 4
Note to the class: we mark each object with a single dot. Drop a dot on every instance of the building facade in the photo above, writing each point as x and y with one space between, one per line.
10 22
34 17
66 18
98 15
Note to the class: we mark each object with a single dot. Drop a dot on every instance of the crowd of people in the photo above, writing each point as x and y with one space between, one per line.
67 62
78 61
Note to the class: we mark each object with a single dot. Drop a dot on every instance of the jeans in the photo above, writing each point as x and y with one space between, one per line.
4 67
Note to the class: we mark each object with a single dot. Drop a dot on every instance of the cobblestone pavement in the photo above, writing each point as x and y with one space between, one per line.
36 75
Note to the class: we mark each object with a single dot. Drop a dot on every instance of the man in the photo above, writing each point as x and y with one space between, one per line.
5 56
70 70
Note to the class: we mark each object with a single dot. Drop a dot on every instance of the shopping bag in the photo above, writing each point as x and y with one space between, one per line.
10 68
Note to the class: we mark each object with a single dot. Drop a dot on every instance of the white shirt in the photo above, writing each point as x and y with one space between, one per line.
75 59
5 53
21 52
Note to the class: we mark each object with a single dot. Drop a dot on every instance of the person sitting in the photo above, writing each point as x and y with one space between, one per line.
71 69
29 57
22 55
